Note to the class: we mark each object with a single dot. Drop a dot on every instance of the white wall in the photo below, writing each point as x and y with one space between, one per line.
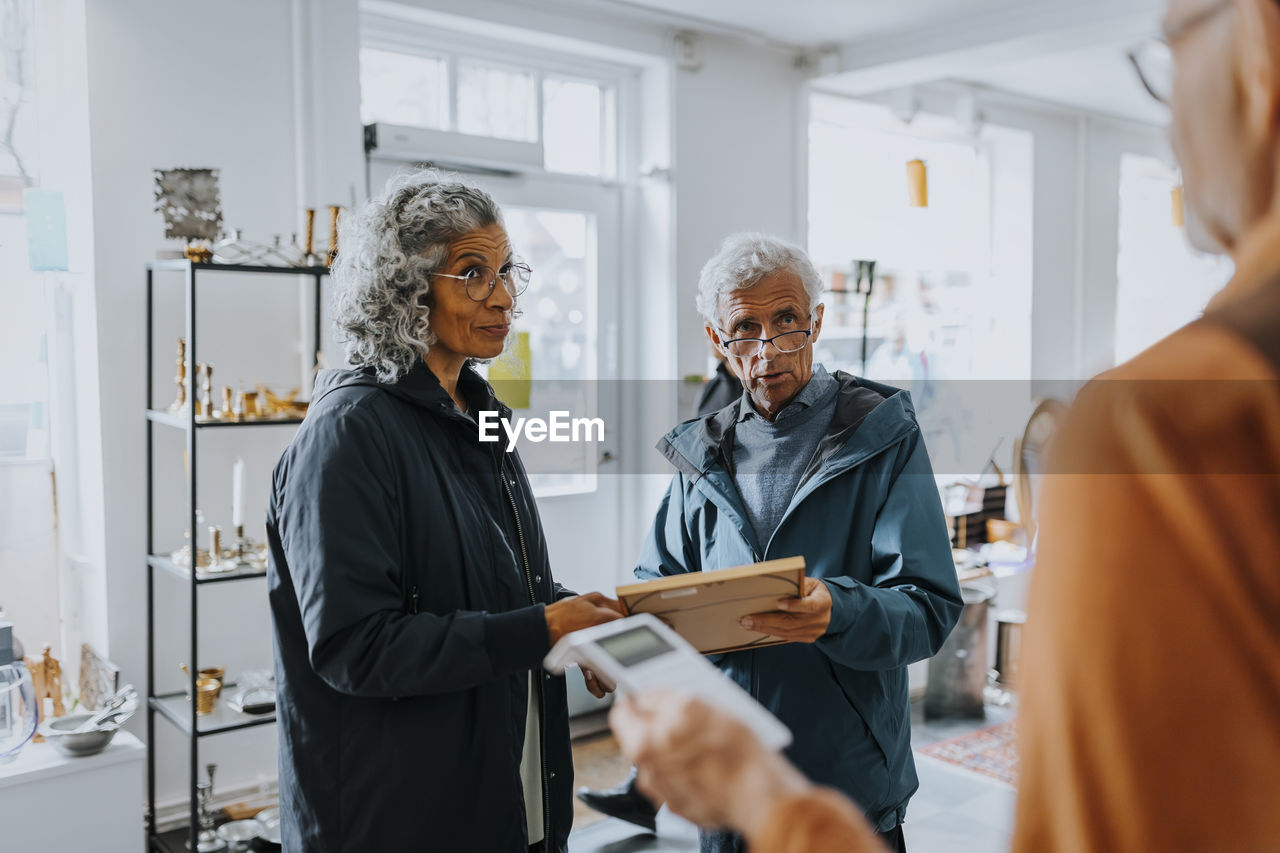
164 93
741 151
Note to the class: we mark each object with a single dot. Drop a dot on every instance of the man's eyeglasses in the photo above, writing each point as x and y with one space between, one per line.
1154 64
480 281
1154 61
785 342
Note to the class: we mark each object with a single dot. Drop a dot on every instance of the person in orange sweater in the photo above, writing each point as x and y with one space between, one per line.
1150 714
1150 700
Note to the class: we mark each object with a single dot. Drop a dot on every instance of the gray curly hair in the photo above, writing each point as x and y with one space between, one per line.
388 249
747 257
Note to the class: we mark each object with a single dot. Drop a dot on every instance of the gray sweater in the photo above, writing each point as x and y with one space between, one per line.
770 456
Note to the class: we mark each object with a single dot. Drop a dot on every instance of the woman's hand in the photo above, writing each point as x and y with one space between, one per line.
706 765
581 611
597 685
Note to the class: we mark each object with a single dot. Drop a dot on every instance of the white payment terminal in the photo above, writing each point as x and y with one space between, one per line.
640 652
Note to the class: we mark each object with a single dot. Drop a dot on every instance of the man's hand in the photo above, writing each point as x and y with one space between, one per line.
706 765
582 611
802 620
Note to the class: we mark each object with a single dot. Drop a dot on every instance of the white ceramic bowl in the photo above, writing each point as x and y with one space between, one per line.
58 732
239 833
268 821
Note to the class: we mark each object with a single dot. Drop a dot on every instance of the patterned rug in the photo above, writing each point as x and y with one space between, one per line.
992 751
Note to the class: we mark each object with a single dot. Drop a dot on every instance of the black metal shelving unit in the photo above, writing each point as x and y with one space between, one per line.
175 707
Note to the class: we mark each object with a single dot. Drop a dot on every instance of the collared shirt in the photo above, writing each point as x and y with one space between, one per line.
769 457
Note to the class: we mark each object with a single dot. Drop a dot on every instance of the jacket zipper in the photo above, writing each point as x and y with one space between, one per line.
413 600
542 716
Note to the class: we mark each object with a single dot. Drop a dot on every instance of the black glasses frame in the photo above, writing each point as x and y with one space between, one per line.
760 342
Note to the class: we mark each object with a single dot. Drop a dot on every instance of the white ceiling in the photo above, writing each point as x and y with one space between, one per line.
1099 79
809 23
1087 73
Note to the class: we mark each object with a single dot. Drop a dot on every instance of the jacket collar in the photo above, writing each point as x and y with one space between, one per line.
420 387
868 417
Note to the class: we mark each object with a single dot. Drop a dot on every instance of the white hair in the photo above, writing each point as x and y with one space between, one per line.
387 251
747 257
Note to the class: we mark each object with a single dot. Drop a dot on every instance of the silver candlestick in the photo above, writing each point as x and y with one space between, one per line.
207 841
244 553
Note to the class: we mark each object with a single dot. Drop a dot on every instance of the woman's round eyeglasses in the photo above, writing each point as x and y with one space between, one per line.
480 281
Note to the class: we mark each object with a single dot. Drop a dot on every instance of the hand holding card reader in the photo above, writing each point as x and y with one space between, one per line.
640 652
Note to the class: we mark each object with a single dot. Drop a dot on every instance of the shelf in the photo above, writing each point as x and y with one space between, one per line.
175 841
176 709
160 416
182 264
165 564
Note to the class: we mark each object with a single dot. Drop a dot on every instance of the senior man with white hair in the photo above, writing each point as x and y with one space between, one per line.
833 468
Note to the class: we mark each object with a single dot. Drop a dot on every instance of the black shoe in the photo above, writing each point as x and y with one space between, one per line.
624 802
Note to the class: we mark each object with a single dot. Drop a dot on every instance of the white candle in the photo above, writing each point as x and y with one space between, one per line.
237 493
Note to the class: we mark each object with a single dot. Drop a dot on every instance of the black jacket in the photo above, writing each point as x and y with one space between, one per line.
400 586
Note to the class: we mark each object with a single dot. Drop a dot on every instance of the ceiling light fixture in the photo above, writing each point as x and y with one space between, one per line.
917 183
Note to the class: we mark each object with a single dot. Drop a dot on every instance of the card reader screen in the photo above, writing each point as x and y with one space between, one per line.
634 646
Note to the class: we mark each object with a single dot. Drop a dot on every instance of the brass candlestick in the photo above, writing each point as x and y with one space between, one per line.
198 252
204 402
218 559
308 247
227 413
333 233
180 379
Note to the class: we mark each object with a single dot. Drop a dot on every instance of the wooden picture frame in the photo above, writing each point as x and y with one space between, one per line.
704 607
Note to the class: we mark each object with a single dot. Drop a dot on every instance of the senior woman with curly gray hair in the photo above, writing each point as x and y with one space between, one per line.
410 584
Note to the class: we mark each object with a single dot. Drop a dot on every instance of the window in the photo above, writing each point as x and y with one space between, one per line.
559 305
560 321
28 534
496 102
1161 282
401 88
569 109
577 127
952 292
24 381
945 303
